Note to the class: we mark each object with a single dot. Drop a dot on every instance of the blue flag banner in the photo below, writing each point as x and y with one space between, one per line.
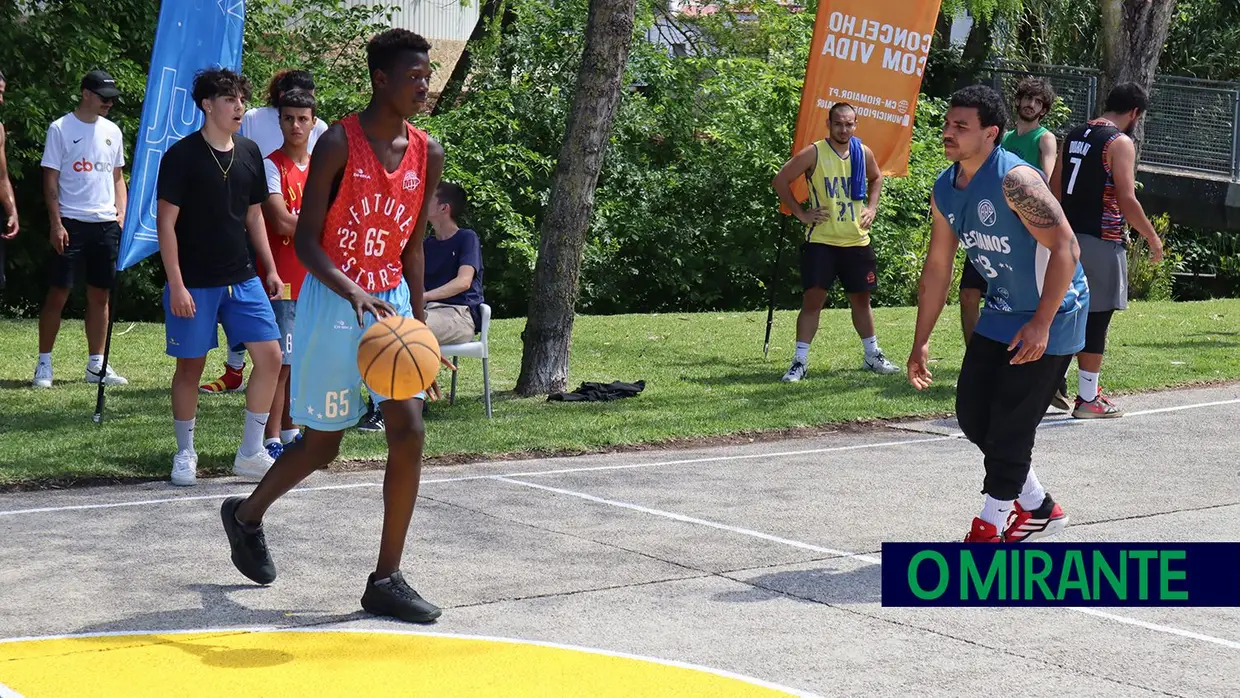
192 35
1061 574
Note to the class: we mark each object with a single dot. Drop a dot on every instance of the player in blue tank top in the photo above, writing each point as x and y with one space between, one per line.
1033 321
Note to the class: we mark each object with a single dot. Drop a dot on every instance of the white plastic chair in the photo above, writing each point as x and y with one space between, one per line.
476 350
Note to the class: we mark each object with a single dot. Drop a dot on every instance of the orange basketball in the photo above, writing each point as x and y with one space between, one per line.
398 357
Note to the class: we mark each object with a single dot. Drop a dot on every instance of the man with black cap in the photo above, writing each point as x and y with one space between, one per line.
86 198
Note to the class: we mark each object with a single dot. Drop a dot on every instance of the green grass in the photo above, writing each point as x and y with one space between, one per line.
705 376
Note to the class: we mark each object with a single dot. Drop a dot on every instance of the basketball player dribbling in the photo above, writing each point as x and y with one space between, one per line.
360 238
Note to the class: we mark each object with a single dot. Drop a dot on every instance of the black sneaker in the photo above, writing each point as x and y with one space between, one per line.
399 600
373 421
249 545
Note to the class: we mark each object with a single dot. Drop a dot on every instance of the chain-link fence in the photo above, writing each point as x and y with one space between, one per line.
1192 124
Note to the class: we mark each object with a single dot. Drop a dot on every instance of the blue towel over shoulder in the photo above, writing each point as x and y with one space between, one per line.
856 156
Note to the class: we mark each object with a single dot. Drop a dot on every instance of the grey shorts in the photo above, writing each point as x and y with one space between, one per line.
286 314
1106 272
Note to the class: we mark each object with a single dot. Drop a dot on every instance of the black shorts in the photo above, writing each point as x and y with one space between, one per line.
855 267
970 277
92 249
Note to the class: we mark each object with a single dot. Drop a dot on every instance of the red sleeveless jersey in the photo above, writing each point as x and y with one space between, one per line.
292 187
372 218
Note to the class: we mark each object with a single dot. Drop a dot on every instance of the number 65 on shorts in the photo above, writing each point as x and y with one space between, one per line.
325 385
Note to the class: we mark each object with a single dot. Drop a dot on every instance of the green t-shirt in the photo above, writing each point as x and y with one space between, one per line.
1026 146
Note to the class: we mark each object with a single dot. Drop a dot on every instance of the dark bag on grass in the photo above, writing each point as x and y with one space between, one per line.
600 392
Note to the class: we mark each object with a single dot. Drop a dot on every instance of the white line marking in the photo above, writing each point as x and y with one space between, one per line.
870 559
713 459
562 471
1068 420
196 498
1156 627
467 478
701 522
1183 407
417 633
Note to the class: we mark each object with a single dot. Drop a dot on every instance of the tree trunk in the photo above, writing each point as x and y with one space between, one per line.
1133 35
553 298
976 50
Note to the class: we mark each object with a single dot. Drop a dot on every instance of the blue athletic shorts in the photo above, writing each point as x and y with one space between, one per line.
286 319
325 386
243 309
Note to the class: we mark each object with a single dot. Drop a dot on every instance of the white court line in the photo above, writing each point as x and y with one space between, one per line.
561 471
1070 421
856 556
467 478
417 633
692 520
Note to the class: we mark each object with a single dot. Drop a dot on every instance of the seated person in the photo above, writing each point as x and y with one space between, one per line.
453 270
453 279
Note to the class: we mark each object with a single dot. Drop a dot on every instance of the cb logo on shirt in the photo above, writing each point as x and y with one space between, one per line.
85 165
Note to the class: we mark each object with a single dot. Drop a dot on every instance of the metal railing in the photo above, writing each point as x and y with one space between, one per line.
1193 125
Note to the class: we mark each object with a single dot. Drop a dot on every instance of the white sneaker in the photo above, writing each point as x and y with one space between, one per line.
185 469
879 364
43 375
253 467
795 372
110 378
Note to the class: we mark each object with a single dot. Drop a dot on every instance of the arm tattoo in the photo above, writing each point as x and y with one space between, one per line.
1028 196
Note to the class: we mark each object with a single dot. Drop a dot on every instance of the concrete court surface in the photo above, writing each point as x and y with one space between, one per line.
758 561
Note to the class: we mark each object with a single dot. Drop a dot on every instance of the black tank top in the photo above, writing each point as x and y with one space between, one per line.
1087 184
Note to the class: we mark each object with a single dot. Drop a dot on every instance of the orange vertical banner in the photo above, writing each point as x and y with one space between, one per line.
871 54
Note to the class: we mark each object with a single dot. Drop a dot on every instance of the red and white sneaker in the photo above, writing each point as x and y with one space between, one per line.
983 533
1046 520
1098 408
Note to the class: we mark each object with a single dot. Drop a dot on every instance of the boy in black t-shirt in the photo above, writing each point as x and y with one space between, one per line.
211 187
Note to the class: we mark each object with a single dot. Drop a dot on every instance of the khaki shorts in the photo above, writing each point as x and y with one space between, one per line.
451 324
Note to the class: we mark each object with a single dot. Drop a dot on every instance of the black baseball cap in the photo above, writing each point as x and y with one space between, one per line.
100 83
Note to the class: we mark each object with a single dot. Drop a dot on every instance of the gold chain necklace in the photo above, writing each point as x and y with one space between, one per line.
231 158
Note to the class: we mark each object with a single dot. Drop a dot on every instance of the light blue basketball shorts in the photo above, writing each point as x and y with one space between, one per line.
325 390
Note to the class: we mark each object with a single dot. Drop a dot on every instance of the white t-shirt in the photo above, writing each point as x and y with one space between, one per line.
262 125
85 156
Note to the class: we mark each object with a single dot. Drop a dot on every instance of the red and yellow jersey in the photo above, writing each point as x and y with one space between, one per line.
292 188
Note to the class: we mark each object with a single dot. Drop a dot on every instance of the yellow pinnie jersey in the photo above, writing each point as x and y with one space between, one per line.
829 189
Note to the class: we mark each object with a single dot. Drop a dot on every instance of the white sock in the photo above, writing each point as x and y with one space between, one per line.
871 345
995 512
236 359
269 441
252 436
185 434
802 354
45 358
1087 385
95 362
1032 494
287 435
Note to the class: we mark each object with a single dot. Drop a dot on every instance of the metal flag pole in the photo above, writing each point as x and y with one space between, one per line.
107 350
770 308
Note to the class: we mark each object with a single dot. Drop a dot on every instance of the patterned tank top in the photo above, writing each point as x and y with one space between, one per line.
373 215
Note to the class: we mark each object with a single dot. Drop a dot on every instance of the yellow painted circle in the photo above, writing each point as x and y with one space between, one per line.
341 663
